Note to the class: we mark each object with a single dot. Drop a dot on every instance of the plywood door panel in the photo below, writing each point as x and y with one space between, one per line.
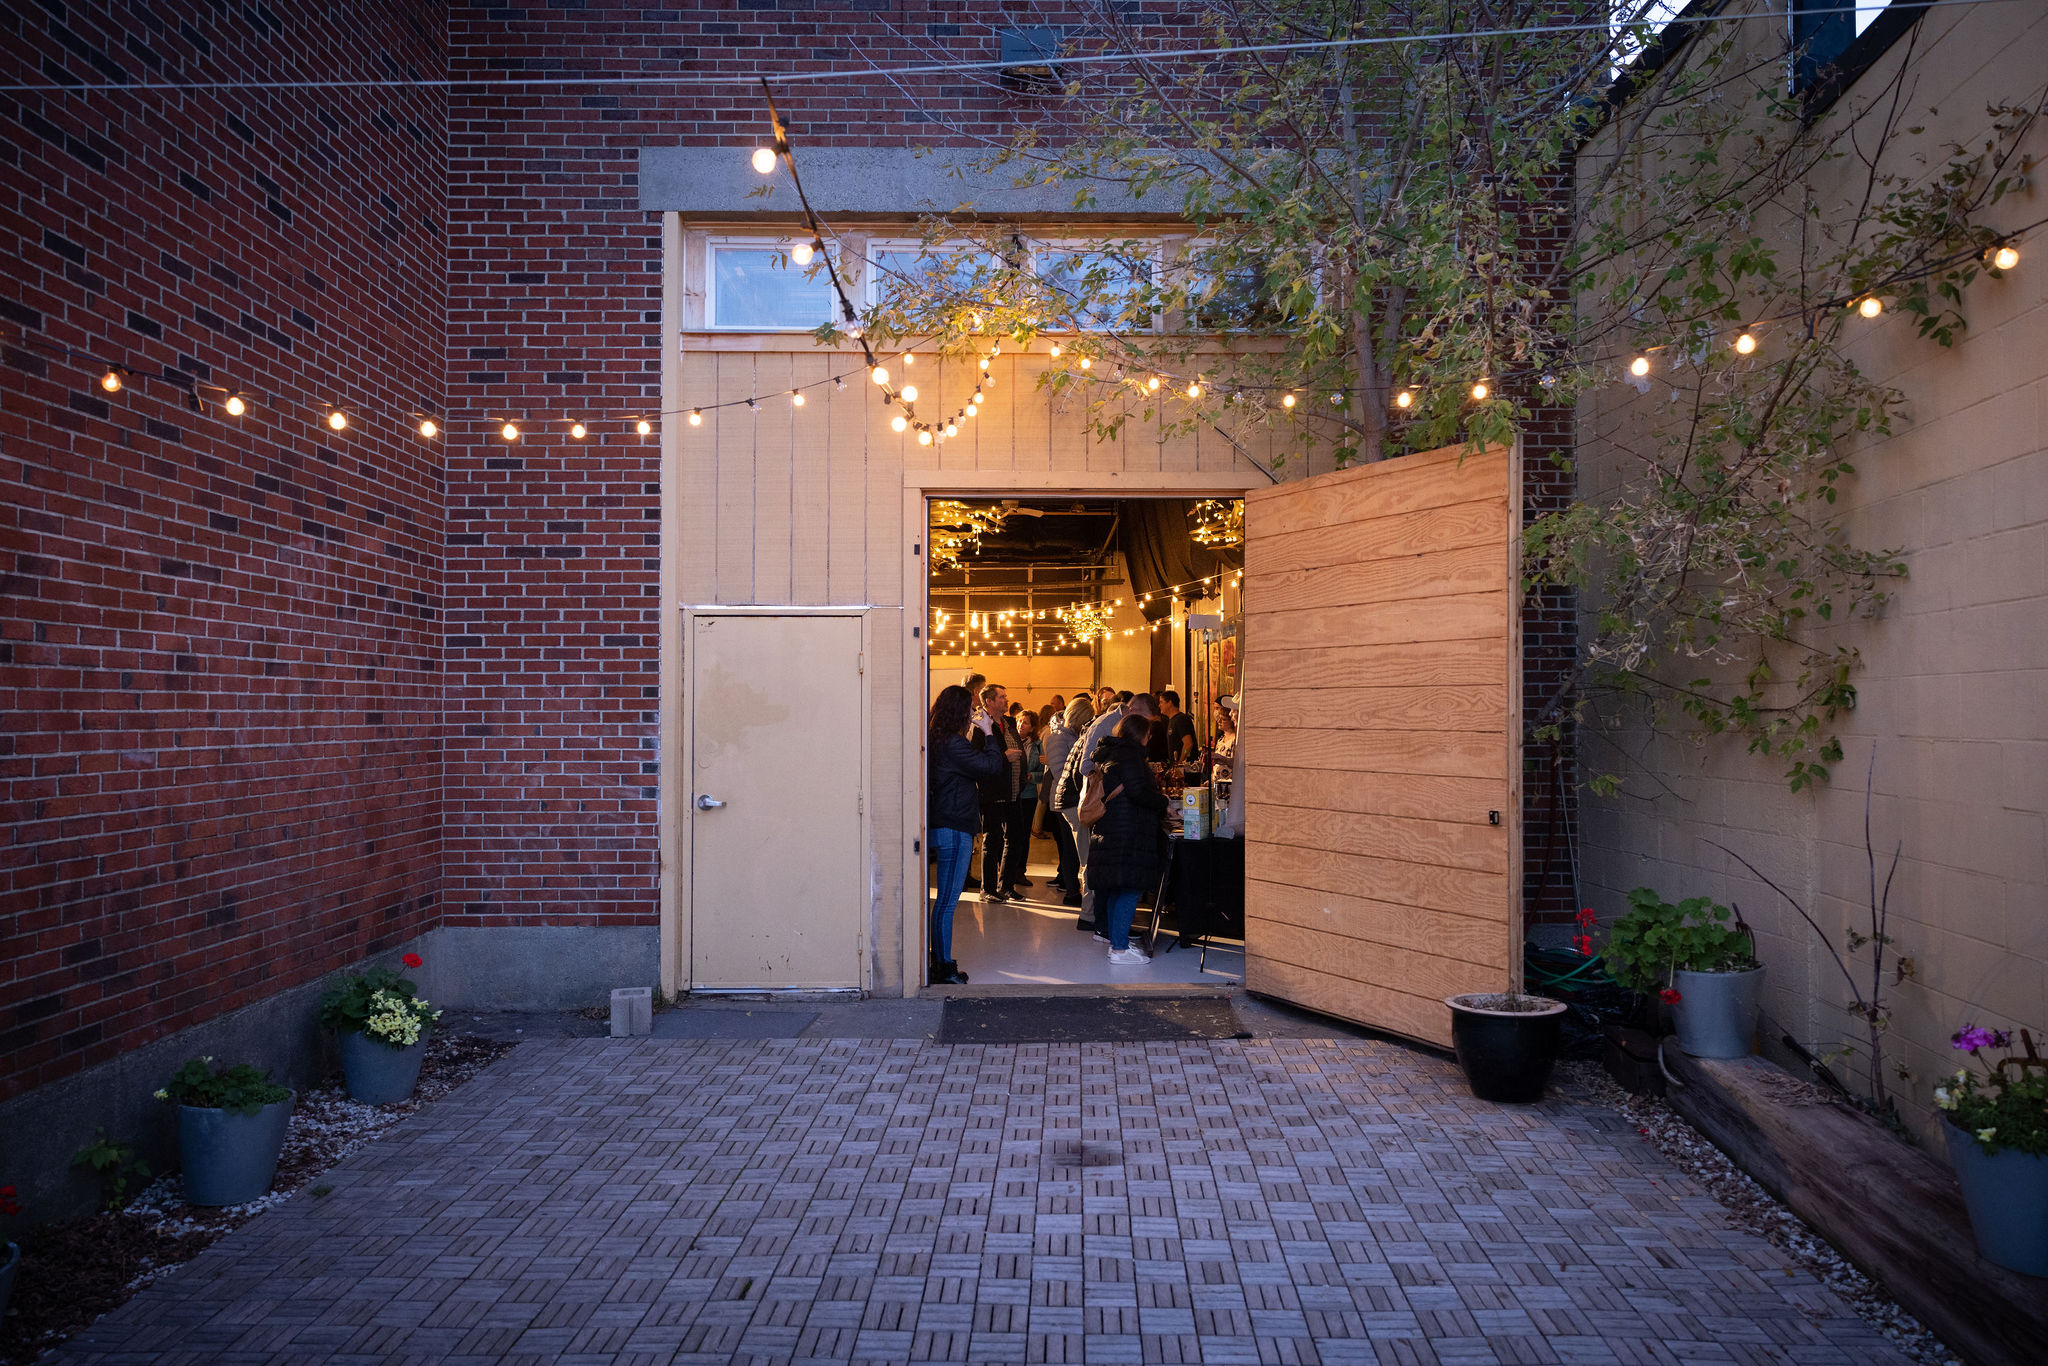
1381 738
777 873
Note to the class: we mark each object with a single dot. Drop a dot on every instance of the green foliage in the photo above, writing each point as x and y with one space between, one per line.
380 1004
2005 1108
1657 938
241 1089
116 1165
1373 221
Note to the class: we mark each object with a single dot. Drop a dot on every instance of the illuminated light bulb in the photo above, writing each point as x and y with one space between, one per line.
1639 367
111 381
952 429
1288 401
989 380
1152 383
337 419
643 426
1403 399
973 408
235 406
764 159
1055 350
428 429
579 431
1745 344
1871 307
909 359
1194 391
696 417
509 432
879 375
898 422
2005 258
801 253
924 438
1480 391
984 362
908 393
1119 602
1337 400
796 399
1086 362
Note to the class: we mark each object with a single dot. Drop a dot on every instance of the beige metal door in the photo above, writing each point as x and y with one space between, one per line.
1382 738
775 797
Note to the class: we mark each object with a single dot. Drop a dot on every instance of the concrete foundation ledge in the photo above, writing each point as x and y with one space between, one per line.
536 967
1893 1209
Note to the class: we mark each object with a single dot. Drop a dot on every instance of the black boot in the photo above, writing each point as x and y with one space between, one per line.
954 975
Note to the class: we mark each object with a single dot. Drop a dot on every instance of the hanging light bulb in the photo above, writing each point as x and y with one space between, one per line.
1055 350
428 429
2005 258
111 381
696 417
509 432
643 426
1087 362
879 375
1639 367
1403 399
972 409
337 420
1287 401
898 422
1194 389
1871 307
984 362
1480 391
924 436
796 398
908 393
801 253
1152 383
909 359
578 431
764 159
1745 344
952 429
1337 400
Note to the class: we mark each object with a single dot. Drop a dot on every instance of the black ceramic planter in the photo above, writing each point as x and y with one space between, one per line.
1506 1054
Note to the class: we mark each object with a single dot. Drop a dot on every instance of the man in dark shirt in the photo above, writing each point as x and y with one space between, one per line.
1178 744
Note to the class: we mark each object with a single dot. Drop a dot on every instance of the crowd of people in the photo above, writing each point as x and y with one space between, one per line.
1085 773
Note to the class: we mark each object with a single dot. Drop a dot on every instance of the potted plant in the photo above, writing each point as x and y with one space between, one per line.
1997 1131
1697 963
11 1258
1506 1042
231 1125
383 1025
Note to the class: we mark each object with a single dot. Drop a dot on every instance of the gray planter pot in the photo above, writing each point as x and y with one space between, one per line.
1715 1014
9 1260
2007 1196
377 1073
230 1159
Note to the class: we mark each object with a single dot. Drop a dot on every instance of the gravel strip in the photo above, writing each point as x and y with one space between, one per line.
1753 1208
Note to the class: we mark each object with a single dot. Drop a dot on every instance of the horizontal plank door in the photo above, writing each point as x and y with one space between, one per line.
1381 734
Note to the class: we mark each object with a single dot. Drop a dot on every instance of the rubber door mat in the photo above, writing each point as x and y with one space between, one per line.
1087 1019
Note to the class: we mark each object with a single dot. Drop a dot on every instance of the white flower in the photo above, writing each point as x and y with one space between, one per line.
1943 1099
1986 1135
163 1095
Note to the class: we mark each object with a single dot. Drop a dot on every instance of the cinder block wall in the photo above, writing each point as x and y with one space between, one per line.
219 637
1953 689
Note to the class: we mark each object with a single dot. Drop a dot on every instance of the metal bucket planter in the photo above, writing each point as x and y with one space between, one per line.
230 1159
377 1073
2007 1197
1715 1015
1507 1054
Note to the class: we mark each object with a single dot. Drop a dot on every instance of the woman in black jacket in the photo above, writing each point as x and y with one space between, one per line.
1123 854
958 765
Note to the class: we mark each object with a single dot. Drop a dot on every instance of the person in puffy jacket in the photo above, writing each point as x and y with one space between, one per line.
1080 713
1124 852
958 765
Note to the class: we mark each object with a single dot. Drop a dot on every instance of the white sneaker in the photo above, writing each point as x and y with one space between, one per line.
1128 957
1101 938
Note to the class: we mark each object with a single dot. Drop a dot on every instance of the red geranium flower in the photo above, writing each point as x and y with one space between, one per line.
412 960
1588 918
1669 996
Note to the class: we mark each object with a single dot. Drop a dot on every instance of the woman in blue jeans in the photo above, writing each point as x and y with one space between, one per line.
1124 848
960 759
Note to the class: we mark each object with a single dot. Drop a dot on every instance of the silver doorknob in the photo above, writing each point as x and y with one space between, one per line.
708 803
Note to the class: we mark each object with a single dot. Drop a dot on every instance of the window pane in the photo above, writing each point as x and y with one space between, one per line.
914 275
1099 286
751 289
1239 297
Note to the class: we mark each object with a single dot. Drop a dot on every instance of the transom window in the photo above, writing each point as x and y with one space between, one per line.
756 287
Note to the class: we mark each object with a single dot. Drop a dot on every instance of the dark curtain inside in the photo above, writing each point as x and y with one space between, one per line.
1153 535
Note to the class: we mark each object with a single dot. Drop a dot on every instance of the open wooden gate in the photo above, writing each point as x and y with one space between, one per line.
1382 735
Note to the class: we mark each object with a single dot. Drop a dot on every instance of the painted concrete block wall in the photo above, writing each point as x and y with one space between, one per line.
219 637
1953 690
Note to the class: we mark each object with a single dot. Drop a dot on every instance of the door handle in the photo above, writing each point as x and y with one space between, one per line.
708 803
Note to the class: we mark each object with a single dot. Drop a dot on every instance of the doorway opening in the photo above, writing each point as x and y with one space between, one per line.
1077 608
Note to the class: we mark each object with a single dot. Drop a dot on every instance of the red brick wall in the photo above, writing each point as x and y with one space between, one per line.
219 638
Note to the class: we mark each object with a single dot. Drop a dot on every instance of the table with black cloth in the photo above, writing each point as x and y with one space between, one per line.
1206 887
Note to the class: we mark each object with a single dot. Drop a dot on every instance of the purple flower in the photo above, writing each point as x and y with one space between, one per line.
1972 1037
